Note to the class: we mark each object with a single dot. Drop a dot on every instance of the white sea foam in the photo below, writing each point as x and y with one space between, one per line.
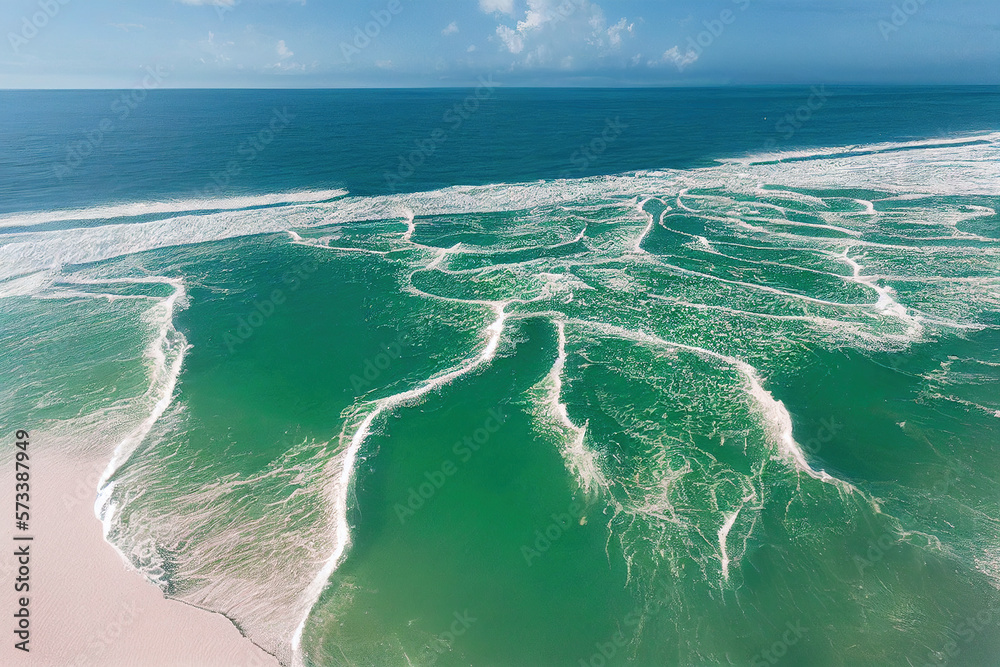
137 209
869 206
869 149
580 460
776 418
26 285
166 356
723 536
340 489
32 260
773 193
974 170
652 222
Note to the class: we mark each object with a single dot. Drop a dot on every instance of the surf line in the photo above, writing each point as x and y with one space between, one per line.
165 374
579 459
342 485
170 208
653 219
776 417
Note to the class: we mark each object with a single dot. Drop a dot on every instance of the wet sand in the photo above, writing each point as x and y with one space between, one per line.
86 606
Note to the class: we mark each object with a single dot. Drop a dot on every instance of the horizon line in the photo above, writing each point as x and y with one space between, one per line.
520 87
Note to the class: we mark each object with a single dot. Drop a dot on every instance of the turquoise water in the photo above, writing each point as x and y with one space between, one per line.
740 413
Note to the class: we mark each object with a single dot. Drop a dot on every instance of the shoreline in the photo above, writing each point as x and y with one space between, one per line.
87 606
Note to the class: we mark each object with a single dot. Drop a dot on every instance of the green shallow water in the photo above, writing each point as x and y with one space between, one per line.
446 523
668 419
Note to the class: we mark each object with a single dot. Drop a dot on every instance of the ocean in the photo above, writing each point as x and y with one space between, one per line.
526 376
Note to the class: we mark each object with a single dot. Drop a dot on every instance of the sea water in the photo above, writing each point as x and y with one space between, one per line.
651 377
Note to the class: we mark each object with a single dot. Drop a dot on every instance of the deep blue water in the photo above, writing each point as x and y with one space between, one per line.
83 148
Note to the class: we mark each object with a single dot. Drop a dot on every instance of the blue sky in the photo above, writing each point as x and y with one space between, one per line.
389 43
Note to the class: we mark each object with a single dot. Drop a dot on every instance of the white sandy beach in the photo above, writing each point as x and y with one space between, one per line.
86 606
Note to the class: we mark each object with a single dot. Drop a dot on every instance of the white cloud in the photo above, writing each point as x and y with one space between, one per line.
615 32
681 60
211 51
283 51
562 33
538 15
286 67
451 29
514 41
472 47
502 6
229 4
